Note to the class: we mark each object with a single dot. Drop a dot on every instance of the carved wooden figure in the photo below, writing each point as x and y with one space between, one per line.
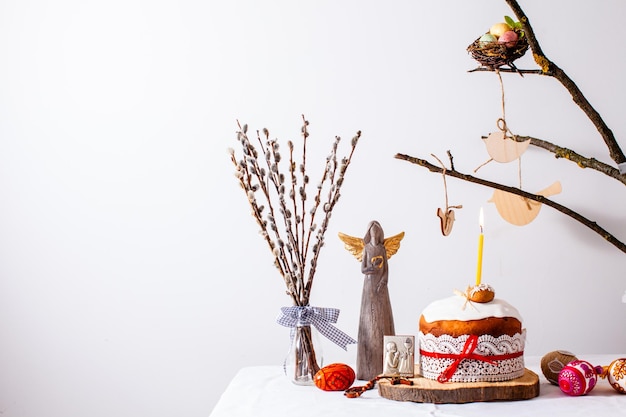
376 319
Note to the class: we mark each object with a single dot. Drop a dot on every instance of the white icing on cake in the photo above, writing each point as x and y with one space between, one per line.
457 307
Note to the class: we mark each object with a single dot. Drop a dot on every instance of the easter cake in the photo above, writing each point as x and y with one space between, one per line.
471 337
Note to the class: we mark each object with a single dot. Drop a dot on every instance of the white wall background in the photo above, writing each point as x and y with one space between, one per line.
132 278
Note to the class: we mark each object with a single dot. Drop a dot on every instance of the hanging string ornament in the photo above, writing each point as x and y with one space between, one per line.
503 146
446 216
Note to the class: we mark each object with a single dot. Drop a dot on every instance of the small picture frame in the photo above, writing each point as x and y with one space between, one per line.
399 356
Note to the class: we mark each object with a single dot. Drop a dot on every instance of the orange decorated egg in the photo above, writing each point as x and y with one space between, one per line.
616 375
334 377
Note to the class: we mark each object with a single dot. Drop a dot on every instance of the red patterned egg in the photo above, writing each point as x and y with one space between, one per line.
616 375
334 377
578 377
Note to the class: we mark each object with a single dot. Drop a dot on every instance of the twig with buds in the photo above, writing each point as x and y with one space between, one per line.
273 195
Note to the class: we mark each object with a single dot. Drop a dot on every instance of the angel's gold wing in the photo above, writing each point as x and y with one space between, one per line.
354 245
392 244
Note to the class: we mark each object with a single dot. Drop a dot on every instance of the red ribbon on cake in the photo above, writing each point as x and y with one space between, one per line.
467 353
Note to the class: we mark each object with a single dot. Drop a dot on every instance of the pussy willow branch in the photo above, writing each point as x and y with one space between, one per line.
327 175
295 236
289 241
273 159
307 345
333 197
549 68
541 199
305 182
247 169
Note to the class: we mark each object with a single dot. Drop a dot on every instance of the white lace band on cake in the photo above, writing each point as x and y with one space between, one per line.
472 358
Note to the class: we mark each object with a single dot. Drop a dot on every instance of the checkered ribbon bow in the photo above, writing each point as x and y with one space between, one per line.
320 317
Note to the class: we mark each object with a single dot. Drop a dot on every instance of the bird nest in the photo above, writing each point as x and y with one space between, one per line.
493 54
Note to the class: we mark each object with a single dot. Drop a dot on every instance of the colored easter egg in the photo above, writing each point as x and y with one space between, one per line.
553 362
486 39
499 28
334 377
508 38
578 378
616 375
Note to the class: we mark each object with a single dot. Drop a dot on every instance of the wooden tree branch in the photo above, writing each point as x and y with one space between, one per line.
549 67
581 161
516 70
541 199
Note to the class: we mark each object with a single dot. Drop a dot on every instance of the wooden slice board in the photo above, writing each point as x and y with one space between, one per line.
426 390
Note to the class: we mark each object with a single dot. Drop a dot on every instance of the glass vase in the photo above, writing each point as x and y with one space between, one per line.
304 358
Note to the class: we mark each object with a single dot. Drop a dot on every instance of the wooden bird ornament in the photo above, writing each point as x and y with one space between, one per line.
518 210
504 148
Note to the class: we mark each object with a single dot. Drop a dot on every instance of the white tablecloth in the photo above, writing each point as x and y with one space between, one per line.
266 391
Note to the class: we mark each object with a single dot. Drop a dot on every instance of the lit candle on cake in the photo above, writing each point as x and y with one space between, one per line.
481 238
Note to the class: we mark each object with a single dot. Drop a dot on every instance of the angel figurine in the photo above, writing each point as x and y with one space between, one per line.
376 319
